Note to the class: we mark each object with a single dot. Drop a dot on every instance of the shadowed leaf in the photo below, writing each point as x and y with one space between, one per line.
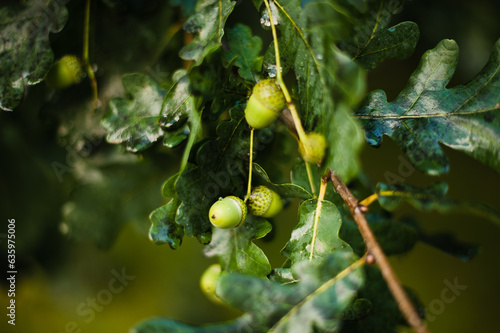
25 52
397 42
220 171
164 229
370 41
208 25
395 236
430 198
284 190
329 82
426 113
317 300
98 209
164 325
243 51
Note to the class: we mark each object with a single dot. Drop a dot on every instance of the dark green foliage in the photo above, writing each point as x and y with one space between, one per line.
430 198
317 301
25 53
142 111
427 113
174 95
243 51
208 23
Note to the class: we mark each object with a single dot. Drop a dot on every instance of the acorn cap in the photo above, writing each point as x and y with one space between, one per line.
265 104
264 202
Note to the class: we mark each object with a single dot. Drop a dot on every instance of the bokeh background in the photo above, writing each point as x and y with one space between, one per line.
58 271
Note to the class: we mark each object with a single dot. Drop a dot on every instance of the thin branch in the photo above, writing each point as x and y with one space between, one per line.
250 167
279 78
373 248
165 40
85 55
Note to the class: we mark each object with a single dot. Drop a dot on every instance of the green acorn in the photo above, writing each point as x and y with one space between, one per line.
264 202
265 104
65 72
228 212
316 146
208 281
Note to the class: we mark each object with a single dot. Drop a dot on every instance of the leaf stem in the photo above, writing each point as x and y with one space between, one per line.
310 177
85 55
281 84
165 40
368 201
194 132
319 205
250 167
373 248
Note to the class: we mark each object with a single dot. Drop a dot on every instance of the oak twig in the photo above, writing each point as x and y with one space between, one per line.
279 79
85 56
373 248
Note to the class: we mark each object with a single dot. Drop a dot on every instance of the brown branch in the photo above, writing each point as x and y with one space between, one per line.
374 249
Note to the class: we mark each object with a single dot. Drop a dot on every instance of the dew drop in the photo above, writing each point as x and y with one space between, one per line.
265 21
272 71
392 29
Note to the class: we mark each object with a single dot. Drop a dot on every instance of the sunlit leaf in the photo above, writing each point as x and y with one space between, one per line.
237 252
327 240
180 104
133 121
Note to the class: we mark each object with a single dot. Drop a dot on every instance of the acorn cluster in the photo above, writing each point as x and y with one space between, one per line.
263 107
231 211
266 104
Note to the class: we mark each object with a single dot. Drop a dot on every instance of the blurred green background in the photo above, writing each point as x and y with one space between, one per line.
59 271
